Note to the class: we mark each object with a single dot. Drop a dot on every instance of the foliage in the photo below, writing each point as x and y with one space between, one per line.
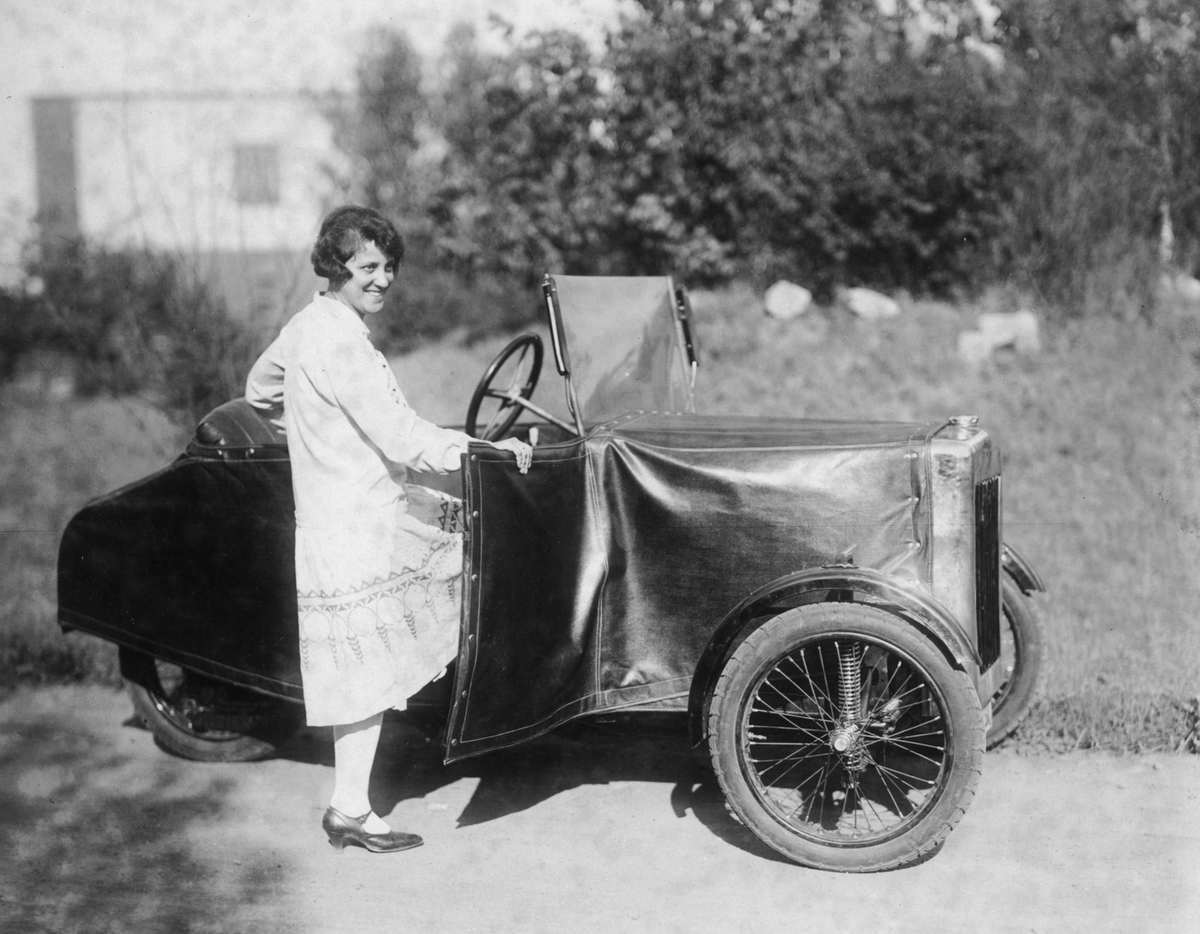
379 129
130 321
917 146
461 274
525 172
715 139
60 454
1108 95
21 329
809 140
925 146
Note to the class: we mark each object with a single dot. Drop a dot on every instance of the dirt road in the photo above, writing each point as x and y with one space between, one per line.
592 830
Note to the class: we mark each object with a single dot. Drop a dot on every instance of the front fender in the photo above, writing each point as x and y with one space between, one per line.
1020 570
815 585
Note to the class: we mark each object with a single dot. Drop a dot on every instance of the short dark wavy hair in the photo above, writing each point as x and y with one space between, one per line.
343 233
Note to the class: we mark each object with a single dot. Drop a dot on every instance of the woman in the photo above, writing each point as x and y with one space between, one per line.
377 590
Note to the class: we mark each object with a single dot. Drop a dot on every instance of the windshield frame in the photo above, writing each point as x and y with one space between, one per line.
622 344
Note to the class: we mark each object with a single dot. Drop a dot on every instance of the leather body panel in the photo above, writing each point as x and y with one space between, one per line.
193 564
598 579
594 582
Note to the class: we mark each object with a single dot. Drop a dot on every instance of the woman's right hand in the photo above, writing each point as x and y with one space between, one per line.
523 452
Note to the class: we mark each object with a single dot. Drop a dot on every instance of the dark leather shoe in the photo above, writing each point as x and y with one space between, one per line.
343 830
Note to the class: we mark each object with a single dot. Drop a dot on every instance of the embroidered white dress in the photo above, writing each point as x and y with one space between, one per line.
377 589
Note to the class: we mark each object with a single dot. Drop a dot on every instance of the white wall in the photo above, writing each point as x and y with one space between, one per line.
164 183
159 171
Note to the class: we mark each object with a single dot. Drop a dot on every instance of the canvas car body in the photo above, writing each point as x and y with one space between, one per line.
645 562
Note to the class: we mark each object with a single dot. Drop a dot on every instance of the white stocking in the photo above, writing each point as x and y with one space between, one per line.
354 747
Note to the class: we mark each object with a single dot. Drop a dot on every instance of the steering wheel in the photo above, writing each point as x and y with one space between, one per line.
525 356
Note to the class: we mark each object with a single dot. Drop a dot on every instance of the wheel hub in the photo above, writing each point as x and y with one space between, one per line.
844 738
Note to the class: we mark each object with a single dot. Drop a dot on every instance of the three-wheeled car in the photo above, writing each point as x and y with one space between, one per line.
829 602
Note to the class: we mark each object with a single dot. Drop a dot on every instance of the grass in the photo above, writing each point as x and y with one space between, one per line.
58 456
1101 434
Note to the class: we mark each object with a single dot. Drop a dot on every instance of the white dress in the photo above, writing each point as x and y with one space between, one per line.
377 589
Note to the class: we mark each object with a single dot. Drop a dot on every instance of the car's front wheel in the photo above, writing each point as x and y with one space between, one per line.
201 718
843 738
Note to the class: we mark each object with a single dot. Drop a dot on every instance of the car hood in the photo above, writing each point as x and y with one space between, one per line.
682 431
596 581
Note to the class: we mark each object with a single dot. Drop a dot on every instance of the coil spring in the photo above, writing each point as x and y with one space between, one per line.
850 681
850 690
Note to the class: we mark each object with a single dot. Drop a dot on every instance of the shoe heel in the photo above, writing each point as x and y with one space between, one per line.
338 843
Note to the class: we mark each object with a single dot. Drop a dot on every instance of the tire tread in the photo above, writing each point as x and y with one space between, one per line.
964 792
1021 697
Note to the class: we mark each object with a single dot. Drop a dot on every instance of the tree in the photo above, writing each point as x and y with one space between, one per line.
524 174
812 139
1108 94
133 322
379 128
910 143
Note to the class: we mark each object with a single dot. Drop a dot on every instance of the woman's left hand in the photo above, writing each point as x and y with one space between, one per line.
523 452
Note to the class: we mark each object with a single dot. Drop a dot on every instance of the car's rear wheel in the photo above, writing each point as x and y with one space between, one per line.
201 718
1019 668
843 738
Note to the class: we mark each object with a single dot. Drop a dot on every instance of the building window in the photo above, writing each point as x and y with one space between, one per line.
256 173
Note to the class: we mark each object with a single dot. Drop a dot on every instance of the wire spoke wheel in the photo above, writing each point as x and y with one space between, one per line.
200 718
843 738
199 705
839 769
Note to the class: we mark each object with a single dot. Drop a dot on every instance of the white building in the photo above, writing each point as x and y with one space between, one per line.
193 127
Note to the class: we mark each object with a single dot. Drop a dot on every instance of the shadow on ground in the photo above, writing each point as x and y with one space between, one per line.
636 748
113 845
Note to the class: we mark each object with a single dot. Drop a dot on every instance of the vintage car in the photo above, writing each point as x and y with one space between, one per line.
827 604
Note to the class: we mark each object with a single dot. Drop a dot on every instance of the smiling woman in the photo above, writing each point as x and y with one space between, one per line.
377 589
371 274
358 251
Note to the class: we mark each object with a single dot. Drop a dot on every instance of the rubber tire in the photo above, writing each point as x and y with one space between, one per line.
1029 636
145 690
964 723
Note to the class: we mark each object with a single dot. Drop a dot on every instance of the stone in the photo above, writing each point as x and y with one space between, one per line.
785 300
1181 287
869 304
1188 288
1017 330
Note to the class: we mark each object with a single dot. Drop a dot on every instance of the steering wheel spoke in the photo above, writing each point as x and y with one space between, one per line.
519 365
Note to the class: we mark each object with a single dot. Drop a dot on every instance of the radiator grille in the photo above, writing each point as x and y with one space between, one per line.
987 569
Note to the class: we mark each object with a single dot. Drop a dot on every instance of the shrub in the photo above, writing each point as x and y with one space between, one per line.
831 142
1108 97
526 175
870 166
22 329
133 321
711 140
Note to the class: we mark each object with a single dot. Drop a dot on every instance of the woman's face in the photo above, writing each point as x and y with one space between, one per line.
371 274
